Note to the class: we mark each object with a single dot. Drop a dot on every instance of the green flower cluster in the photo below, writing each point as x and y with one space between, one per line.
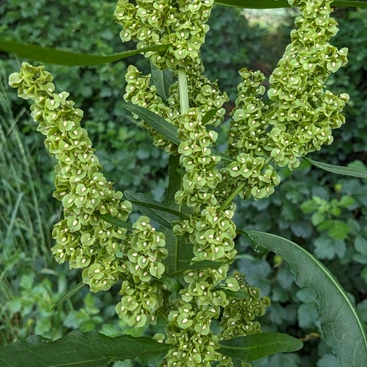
82 237
239 315
303 113
247 132
180 24
142 296
201 177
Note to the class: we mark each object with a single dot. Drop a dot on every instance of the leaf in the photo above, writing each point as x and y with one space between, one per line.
115 221
180 253
342 328
81 350
339 170
69 293
209 115
273 4
159 124
59 57
154 209
174 181
162 80
256 346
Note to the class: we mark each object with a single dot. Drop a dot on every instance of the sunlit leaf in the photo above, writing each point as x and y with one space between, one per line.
342 328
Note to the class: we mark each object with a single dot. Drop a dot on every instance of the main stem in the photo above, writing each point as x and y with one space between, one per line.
183 90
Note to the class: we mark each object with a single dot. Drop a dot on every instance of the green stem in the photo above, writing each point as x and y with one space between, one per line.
183 90
232 196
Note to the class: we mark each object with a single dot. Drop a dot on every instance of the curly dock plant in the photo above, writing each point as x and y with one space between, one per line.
174 261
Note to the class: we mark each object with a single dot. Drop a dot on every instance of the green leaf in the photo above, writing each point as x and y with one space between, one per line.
53 56
159 124
81 350
256 346
209 115
339 170
69 293
342 328
154 209
174 181
180 253
272 4
115 221
162 80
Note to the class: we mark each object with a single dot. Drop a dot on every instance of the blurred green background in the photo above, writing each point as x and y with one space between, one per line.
322 212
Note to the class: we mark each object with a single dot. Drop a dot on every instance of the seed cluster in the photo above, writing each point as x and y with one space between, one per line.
105 252
178 23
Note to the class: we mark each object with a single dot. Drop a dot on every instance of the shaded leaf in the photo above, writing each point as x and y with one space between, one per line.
162 80
272 4
342 328
59 57
159 124
81 350
69 293
115 221
256 346
174 181
339 170
154 209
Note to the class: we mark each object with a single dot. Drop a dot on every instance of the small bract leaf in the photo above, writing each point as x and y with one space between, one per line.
159 124
162 80
256 346
69 293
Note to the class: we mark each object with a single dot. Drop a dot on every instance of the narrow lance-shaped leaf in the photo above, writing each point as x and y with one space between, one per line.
174 181
154 209
342 328
59 57
162 80
69 293
81 350
158 123
209 115
273 4
339 170
256 346
115 221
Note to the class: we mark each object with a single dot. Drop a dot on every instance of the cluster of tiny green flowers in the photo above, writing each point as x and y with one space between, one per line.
142 296
239 315
259 177
82 238
303 113
201 177
180 24
247 133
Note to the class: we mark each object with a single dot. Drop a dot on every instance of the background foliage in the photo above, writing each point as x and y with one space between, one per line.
322 212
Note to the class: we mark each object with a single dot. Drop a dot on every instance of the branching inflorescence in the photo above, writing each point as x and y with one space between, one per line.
298 120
